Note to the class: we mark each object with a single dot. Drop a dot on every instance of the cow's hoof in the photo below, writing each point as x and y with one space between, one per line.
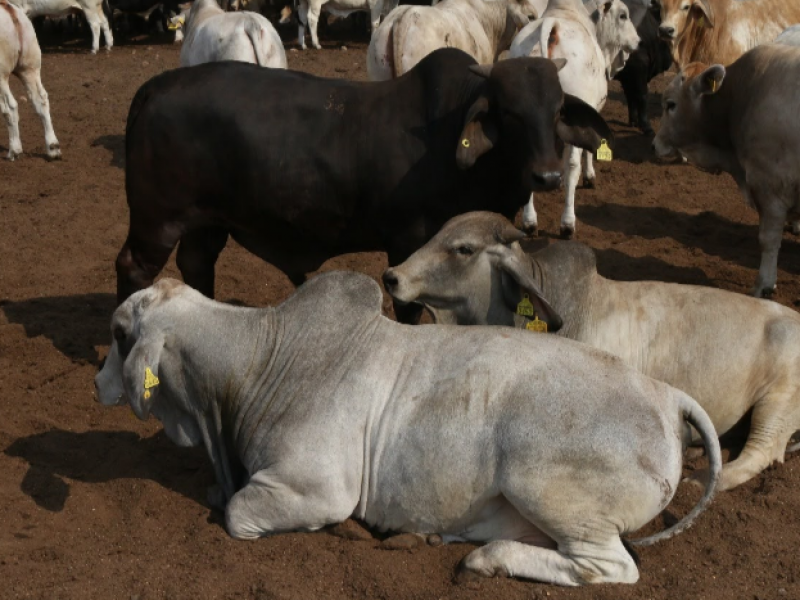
54 152
530 230
764 292
699 479
567 233
216 497
588 183
13 154
404 541
351 530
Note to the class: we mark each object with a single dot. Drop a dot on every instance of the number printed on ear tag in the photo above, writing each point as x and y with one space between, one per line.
525 308
604 152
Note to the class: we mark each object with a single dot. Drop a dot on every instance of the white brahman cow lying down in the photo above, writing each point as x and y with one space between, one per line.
481 28
214 35
20 54
322 408
730 352
309 11
596 43
743 121
92 10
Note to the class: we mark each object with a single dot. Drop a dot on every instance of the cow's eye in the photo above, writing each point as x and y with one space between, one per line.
623 16
464 250
671 105
686 7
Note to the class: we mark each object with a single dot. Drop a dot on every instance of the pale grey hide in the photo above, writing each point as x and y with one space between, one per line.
546 449
729 352
742 121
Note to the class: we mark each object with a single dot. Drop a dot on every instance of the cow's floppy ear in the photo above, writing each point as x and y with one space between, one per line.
478 136
709 81
581 125
519 283
140 373
703 12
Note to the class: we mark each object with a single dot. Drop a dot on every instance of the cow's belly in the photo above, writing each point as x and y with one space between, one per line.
38 8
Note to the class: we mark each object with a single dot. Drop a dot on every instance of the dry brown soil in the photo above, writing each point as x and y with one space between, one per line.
96 504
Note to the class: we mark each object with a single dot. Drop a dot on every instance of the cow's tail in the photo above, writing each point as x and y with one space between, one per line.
697 417
256 34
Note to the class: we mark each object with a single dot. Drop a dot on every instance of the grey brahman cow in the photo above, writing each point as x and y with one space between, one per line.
322 408
732 353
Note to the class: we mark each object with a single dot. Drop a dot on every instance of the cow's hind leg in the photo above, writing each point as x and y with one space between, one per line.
197 254
593 562
142 257
772 216
774 421
588 169
33 85
270 504
9 108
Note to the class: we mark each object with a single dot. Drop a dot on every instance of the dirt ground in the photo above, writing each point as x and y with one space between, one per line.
96 504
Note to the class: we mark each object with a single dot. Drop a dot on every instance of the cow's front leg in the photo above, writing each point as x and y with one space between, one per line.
530 220
269 504
375 15
572 167
596 563
314 12
770 234
93 19
10 110
588 170
302 21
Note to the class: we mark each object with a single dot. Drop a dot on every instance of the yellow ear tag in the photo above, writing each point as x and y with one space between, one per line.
525 308
465 143
536 325
701 21
150 381
604 152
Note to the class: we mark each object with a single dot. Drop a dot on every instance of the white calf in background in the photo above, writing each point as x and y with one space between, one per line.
481 28
214 35
309 11
596 43
20 54
92 10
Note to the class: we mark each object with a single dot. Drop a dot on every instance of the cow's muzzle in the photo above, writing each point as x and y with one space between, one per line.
545 181
666 32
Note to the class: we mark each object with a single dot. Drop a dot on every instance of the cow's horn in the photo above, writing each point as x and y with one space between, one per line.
483 70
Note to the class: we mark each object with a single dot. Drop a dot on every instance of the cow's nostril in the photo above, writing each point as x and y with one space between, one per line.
666 31
390 281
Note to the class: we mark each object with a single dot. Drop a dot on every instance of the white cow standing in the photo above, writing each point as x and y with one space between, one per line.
596 44
481 28
215 35
92 10
309 11
20 54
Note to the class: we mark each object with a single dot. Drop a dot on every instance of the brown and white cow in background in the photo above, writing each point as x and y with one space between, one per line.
595 44
720 31
743 121
20 54
730 352
481 28
92 10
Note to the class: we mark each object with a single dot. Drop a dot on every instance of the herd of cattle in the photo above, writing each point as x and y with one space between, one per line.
546 448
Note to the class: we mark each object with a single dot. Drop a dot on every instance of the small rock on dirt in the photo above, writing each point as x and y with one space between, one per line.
404 541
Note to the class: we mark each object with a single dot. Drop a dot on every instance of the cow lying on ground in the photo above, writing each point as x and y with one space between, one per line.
730 352
92 10
298 169
323 408
20 54
720 31
595 46
215 35
309 11
481 28
742 121
651 58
